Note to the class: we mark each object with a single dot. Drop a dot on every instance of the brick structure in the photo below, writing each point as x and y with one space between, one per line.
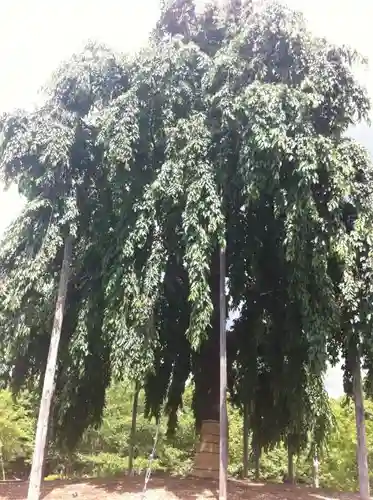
206 461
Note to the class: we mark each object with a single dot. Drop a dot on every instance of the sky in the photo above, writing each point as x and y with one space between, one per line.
36 35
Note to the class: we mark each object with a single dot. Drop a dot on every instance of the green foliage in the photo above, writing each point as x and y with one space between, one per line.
228 129
100 465
339 470
103 451
16 428
337 464
111 439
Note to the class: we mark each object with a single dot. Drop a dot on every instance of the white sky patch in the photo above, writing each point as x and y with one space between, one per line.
11 205
36 35
334 381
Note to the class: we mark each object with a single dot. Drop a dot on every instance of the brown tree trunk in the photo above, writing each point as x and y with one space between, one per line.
256 453
362 451
245 440
207 458
2 461
291 475
207 388
36 475
133 427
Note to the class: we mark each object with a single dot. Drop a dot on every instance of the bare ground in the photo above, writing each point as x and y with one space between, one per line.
165 488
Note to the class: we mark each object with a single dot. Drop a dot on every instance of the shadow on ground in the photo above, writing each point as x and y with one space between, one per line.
166 488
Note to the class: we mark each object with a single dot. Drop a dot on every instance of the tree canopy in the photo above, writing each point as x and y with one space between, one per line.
228 128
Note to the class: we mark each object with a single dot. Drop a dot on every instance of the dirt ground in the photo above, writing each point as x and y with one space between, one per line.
165 488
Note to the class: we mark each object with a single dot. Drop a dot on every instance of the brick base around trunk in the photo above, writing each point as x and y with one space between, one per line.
206 461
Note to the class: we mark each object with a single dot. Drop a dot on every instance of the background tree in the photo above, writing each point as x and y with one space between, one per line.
16 424
103 451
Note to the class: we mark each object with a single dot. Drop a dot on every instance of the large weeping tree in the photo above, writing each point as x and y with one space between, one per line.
227 130
280 173
51 155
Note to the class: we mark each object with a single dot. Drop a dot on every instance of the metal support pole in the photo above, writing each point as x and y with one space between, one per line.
223 465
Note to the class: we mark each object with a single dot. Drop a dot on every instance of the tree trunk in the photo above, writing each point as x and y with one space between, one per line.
207 388
315 470
206 463
133 427
49 379
256 452
245 440
291 476
2 461
223 467
362 452
50 433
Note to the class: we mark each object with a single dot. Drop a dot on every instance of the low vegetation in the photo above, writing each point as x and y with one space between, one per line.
103 452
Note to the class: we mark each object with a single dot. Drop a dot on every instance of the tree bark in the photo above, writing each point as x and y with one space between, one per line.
256 452
207 359
315 470
36 475
207 393
2 461
207 387
133 427
50 432
223 467
362 452
245 440
291 476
